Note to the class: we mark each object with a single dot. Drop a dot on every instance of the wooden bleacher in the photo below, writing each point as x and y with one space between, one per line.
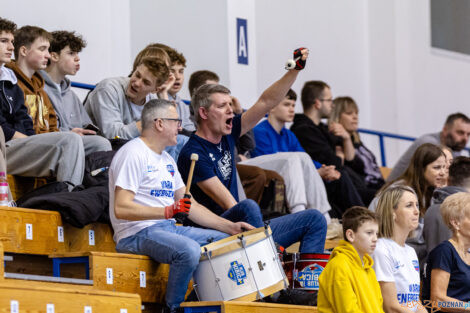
34 239
22 295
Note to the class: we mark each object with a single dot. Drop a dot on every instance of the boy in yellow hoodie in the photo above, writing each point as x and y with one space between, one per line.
348 282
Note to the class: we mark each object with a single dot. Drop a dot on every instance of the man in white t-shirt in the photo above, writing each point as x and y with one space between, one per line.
146 191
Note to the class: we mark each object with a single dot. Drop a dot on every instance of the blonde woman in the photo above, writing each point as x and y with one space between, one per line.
447 278
346 112
395 263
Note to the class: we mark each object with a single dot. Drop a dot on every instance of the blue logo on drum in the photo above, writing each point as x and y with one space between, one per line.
308 277
237 272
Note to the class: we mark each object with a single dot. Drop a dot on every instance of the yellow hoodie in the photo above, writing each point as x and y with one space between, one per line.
346 285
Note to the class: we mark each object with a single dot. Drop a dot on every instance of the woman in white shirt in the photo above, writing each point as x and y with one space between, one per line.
395 263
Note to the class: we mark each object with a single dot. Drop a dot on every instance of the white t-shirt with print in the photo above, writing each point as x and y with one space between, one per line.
152 177
398 264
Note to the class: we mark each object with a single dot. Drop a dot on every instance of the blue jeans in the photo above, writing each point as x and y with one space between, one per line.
308 226
178 246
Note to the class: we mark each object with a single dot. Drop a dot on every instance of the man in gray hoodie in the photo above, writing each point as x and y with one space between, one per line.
64 49
435 230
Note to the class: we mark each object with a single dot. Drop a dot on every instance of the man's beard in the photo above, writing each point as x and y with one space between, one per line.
454 145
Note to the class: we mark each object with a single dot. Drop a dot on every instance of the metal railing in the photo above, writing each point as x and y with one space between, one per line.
381 136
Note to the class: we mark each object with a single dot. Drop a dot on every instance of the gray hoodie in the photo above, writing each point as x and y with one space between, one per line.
435 230
110 110
68 107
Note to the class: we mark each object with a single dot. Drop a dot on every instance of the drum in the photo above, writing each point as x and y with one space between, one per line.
243 267
303 269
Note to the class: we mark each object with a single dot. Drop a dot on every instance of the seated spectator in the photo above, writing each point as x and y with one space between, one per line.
253 179
304 186
395 263
427 170
178 64
26 111
435 230
348 282
345 111
146 191
64 60
454 135
214 181
116 104
322 146
448 266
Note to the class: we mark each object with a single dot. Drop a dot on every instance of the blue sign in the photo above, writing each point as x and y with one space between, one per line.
308 277
242 41
237 272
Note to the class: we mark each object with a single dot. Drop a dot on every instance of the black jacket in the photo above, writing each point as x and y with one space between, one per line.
13 113
316 140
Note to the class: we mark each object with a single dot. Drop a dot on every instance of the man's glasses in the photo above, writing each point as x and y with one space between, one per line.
177 120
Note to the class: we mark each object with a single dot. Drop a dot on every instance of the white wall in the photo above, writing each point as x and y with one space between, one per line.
377 51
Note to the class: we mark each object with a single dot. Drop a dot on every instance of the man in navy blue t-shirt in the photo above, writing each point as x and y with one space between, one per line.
214 182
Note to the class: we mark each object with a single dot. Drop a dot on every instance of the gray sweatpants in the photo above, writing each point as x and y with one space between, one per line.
59 154
304 186
95 143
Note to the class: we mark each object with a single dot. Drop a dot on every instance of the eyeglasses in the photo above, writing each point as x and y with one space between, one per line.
177 120
326 100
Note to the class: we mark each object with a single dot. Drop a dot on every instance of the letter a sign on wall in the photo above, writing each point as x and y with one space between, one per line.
242 41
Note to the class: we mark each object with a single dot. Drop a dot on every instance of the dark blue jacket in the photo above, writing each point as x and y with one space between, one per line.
13 113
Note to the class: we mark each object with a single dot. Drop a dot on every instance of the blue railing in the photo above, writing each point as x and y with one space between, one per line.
379 134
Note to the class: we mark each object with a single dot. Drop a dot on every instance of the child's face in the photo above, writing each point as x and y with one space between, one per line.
365 238
68 61
142 83
37 54
284 111
6 47
178 71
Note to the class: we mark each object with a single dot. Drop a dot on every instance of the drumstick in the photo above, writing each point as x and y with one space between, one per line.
194 158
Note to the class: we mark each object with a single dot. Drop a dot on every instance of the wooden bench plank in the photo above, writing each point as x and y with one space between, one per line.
258 307
30 231
35 298
92 237
127 273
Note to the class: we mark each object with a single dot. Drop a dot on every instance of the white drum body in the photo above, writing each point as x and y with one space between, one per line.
243 267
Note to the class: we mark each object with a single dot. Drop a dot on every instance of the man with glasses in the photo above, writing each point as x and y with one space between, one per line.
146 191
328 145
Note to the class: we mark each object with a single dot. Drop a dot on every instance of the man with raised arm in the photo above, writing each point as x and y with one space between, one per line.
214 183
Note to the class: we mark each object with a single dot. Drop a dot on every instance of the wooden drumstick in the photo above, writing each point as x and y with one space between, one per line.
194 158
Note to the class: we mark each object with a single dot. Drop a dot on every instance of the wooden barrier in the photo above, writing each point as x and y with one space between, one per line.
242 306
126 273
31 231
23 296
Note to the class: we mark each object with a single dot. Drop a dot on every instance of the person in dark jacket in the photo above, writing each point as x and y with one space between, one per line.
329 148
435 230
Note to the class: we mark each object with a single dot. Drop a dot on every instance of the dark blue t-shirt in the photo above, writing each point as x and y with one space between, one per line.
214 160
445 257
